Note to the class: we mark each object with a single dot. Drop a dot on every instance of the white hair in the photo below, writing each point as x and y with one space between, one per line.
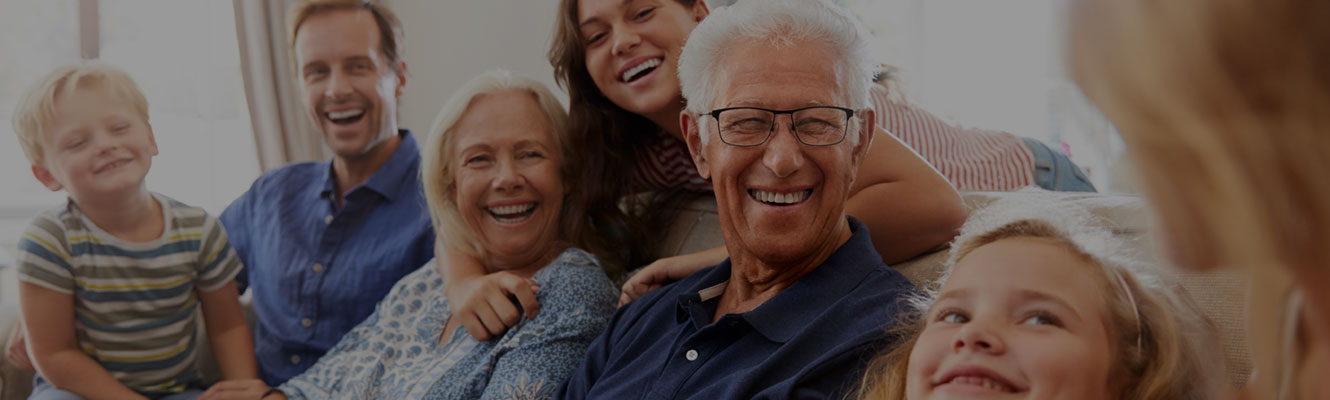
779 22
436 157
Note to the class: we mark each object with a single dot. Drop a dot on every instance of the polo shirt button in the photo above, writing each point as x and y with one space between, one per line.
318 267
327 219
306 322
691 355
295 359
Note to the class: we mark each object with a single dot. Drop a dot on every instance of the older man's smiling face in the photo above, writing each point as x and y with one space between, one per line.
780 202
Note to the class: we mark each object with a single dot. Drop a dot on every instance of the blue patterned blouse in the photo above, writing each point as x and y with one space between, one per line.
395 354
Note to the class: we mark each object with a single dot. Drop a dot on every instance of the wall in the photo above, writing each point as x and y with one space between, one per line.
449 42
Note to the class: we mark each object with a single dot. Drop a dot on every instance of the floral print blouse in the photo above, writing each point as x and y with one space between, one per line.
396 354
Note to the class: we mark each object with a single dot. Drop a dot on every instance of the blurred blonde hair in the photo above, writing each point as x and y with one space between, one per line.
35 114
1225 107
1178 357
438 162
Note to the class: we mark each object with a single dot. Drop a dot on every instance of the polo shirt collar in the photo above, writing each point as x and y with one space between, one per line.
391 178
786 314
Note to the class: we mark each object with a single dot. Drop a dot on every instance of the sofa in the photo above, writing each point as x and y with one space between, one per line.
1220 294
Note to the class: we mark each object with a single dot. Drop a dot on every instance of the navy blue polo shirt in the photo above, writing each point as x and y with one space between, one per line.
315 269
812 340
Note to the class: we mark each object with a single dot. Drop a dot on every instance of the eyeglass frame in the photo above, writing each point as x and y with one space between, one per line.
849 114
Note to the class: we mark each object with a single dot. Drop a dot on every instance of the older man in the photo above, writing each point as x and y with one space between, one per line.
779 120
322 242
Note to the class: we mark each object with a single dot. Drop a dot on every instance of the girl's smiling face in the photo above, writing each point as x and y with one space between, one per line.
632 48
1019 318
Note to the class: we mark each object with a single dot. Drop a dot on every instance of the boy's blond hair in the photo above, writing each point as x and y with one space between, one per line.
36 112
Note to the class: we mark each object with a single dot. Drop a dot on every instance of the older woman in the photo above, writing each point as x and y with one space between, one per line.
494 175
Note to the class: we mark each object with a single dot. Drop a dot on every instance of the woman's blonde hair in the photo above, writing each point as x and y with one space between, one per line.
36 112
1164 348
437 162
1225 107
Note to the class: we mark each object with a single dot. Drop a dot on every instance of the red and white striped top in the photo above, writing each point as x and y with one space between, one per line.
972 159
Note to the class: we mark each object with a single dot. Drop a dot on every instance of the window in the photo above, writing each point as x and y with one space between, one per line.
182 53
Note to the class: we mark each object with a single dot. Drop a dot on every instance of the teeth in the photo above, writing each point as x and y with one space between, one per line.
779 198
345 114
985 382
511 210
627 75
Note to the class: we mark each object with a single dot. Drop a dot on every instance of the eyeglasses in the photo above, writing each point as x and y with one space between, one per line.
752 126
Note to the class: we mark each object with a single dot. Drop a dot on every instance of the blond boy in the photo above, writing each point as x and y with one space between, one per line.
110 281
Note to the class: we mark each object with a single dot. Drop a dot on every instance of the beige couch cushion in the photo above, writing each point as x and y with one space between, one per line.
1221 295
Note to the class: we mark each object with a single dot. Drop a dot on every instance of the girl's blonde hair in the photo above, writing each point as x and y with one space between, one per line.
36 112
438 160
1164 348
1223 105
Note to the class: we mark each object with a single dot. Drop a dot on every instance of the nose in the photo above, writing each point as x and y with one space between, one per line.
508 179
978 336
625 40
106 143
338 85
784 155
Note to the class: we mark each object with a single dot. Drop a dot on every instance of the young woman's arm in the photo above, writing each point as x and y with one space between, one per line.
48 316
908 206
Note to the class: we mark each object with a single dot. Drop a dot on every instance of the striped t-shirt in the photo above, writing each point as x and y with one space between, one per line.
134 303
972 159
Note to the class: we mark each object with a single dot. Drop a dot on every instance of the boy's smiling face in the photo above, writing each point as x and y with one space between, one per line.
96 147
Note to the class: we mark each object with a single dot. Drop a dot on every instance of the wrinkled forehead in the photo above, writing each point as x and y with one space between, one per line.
779 74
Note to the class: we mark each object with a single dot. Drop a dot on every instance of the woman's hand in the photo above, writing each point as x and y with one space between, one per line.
240 389
669 269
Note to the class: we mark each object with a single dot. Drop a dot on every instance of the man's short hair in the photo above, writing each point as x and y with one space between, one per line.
779 22
391 34
35 115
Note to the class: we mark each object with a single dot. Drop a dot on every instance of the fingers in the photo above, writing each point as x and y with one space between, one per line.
525 290
504 314
17 350
474 326
241 389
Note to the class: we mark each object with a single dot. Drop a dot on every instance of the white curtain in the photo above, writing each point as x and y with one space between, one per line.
282 131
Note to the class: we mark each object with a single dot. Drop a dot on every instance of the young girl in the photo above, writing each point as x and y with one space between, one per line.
1041 304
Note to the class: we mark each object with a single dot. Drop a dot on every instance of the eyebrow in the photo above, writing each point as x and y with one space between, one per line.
755 102
1036 296
1022 296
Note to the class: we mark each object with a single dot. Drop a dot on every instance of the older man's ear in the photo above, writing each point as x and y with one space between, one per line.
693 136
867 128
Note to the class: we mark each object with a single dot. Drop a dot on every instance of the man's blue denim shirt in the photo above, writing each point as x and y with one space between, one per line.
316 270
812 340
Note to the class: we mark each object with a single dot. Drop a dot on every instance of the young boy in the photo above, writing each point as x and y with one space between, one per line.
110 281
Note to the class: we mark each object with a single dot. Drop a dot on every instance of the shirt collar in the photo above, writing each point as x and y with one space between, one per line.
783 316
391 178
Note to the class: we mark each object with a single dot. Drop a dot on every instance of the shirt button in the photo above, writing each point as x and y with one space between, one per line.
691 355
327 219
295 359
306 322
318 267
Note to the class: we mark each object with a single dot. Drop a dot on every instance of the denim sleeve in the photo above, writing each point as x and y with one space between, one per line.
235 221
